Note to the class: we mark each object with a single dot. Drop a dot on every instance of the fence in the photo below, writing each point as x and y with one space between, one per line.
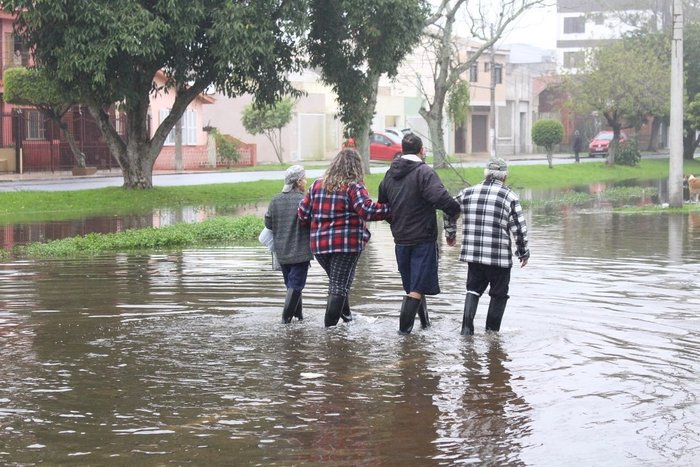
32 142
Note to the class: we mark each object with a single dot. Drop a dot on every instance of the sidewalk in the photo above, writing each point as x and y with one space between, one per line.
66 181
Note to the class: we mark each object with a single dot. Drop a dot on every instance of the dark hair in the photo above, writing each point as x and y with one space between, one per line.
411 144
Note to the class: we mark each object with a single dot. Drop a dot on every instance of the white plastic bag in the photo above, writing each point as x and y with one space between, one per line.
266 238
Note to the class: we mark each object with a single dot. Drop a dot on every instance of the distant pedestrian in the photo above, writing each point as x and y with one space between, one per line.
338 207
414 191
578 145
290 240
491 213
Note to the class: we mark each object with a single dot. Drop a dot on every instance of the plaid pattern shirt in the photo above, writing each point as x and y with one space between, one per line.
490 213
338 219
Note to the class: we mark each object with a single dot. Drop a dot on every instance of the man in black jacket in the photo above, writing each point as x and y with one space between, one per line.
415 191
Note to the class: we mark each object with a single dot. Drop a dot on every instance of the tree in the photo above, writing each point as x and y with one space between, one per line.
24 86
623 82
486 22
547 133
355 42
691 61
269 121
109 52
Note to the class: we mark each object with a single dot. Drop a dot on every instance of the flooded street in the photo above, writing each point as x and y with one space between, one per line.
181 358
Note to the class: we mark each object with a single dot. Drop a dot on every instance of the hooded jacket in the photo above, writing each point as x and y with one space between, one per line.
414 191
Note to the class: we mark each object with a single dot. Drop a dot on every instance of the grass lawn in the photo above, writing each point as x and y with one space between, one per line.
44 206
18 207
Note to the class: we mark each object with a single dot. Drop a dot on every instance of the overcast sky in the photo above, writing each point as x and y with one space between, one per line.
535 27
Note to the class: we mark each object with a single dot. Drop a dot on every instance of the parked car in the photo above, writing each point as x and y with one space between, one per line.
384 146
398 132
601 142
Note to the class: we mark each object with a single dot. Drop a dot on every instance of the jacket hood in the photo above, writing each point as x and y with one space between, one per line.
401 167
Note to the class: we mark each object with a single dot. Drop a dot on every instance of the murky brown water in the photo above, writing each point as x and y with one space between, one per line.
180 358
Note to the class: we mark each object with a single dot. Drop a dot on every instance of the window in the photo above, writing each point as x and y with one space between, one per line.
474 72
189 128
36 125
498 71
574 59
574 25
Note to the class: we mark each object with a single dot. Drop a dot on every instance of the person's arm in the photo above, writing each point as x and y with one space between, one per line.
304 209
363 205
268 219
436 194
518 228
450 221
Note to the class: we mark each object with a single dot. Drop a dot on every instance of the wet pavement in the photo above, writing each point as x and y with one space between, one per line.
64 181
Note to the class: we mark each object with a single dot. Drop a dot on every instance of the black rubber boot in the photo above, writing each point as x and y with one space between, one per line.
298 314
409 308
471 301
423 313
496 309
290 305
346 315
334 308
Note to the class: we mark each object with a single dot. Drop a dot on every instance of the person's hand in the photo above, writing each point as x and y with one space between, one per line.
523 262
451 241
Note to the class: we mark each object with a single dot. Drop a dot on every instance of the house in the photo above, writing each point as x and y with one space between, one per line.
31 142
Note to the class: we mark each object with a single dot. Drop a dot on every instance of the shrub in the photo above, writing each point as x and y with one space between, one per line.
547 133
226 147
628 153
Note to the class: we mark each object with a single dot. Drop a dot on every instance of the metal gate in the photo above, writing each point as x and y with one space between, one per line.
40 145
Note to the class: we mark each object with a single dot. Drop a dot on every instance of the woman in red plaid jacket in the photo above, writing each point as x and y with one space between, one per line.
338 207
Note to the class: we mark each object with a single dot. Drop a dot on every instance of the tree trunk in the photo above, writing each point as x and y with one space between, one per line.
690 144
77 153
436 136
654 137
137 168
433 116
362 136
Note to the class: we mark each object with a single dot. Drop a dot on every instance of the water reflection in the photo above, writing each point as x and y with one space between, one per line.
23 233
179 357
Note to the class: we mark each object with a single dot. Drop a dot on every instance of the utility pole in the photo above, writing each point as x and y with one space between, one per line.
492 111
675 170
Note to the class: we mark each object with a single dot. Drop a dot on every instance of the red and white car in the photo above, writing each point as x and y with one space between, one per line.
600 144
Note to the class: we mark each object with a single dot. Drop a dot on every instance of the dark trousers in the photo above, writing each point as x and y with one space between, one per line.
340 269
295 275
480 276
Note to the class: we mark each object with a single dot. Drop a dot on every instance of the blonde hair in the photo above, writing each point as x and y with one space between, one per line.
345 168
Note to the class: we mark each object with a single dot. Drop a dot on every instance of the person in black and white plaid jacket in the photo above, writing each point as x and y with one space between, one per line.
491 213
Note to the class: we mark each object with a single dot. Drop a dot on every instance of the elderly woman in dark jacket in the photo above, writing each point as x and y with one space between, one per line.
291 240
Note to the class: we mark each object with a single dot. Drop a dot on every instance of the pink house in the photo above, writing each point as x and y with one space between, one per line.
31 142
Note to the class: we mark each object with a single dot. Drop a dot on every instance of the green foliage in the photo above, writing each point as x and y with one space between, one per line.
110 51
458 102
547 133
628 153
30 86
623 80
227 148
219 230
259 118
356 41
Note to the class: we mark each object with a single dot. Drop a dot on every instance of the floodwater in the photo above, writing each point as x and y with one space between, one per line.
180 358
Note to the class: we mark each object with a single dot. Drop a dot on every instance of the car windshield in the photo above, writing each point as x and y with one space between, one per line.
393 137
607 136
